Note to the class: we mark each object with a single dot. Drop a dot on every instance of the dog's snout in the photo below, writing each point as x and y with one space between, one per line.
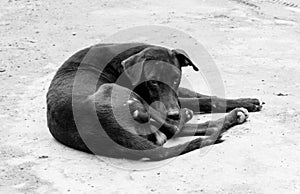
173 114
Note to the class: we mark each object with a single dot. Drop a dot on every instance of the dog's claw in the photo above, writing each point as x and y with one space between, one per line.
258 108
219 141
261 102
161 138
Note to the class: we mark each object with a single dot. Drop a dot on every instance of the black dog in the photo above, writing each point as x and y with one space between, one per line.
124 100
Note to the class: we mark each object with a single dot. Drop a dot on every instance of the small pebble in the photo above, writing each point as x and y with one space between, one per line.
43 157
281 94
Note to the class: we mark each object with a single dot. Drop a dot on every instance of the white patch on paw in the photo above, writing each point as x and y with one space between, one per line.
134 99
130 101
161 138
245 111
242 115
189 114
260 102
135 114
176 129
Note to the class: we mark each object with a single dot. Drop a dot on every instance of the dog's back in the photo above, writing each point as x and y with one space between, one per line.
97 64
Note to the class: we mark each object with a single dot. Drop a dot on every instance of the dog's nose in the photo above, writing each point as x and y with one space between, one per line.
173 114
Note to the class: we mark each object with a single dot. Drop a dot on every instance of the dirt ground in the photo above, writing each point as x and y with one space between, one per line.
255 44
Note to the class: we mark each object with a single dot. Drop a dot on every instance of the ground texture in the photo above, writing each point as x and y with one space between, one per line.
255 45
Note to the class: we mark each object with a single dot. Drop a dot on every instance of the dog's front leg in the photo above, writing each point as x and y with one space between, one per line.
215 104
204 103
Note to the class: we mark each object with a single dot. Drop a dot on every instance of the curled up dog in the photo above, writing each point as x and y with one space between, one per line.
124 100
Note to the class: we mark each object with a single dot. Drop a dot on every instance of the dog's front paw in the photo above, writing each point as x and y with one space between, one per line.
251 104
157 138
141 116
240 115
138 111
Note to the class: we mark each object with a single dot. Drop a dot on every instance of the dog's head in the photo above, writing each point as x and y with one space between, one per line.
155 72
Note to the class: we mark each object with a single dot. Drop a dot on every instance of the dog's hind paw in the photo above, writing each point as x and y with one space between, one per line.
157 138
161 138
187 114
240 115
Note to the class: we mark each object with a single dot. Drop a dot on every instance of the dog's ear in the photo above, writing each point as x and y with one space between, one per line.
184 59
133 68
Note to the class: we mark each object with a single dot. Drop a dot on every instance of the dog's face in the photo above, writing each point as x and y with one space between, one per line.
155 73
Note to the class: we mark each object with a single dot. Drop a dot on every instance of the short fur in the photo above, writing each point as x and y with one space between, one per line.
91 104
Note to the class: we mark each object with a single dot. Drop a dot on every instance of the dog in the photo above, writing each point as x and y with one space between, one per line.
124 100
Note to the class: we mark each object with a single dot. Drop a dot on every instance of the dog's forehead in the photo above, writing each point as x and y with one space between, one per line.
158 53
161 69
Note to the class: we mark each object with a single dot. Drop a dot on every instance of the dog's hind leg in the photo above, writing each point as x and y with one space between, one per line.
214 131
235 117
117 113
203 103
104 136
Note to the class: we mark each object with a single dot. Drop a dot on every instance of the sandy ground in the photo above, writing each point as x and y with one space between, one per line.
255 45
